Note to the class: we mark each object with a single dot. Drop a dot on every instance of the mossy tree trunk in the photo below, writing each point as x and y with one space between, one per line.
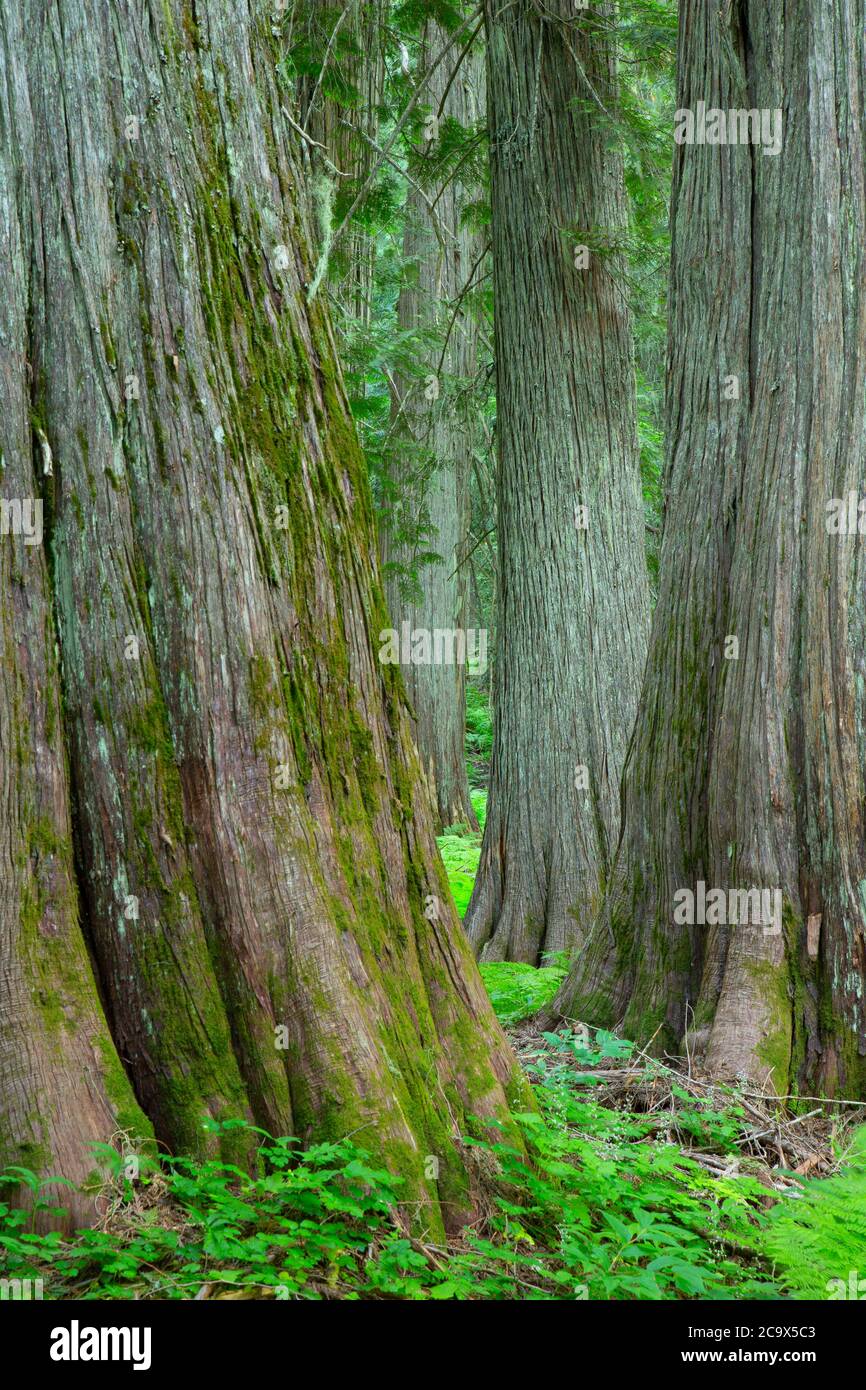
747 763
572 588
444 262
62 1088
254 869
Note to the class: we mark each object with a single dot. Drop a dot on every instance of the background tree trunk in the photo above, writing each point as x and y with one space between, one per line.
573 603
444 258
253 856
749 771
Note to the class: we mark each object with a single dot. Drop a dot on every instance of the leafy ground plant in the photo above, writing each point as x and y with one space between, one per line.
460 848
479 736
606 1202
517 991
598 1211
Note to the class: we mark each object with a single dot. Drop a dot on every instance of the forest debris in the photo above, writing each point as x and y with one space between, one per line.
808 1164
774 1144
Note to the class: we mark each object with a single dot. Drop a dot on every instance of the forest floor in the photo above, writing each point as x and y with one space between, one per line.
643 1181
639 1179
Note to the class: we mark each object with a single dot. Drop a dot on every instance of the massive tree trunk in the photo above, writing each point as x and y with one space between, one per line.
443 259
254 868
747 764
573 596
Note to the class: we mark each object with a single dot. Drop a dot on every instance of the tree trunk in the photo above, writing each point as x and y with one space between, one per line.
572 590
62 1087
257 875
444 259
747 764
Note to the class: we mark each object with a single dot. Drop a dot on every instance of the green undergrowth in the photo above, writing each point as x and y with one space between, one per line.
519 991
581 1222
819 1240
602 1211
460 848
611 1204
479 736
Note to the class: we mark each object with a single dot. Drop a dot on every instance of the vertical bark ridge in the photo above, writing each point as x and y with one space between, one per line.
443 257
62 1087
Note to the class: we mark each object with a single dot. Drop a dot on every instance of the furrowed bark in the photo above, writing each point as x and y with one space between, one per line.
747 770
263 898
573 598
62 1087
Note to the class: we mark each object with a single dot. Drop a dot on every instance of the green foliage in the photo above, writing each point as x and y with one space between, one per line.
605 1047
460 849
458 149
383 363
459 846
700 1122
517 991
602 1205
647 177
822 1236
648 29
606 1212
710 1127
651 442
300 1225
362 67
323 34
479 734
412 15
600 1211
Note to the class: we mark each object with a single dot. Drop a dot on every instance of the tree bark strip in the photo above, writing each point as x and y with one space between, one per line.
444 258
62 1087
